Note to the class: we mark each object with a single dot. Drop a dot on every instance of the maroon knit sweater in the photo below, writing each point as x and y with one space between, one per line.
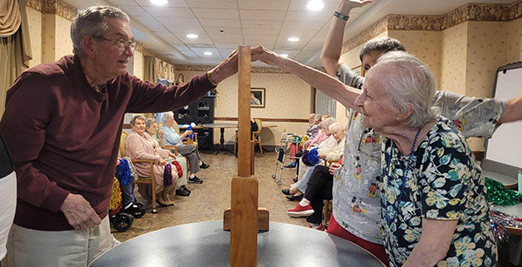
64 136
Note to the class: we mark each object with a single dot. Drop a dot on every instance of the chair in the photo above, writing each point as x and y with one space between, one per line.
256 136
142 180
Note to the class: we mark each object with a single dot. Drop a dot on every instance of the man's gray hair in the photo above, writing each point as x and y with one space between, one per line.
167 116
334 126
137 117
92 21
409 81
383 44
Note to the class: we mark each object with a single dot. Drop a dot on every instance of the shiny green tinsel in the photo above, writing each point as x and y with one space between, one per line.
501 196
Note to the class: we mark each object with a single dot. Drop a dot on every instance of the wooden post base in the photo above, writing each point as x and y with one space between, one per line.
263 219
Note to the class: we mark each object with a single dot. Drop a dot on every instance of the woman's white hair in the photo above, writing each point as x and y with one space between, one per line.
336 125
91 21
327 122
409 81
167 116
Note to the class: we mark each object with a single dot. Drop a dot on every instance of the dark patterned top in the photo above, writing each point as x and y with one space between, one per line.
443 182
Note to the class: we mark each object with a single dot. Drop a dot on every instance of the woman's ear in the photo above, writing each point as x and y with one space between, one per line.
403 113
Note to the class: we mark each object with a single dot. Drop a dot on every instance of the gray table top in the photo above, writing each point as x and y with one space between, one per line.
206 244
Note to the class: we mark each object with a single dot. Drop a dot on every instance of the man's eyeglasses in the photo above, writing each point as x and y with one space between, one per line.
120 44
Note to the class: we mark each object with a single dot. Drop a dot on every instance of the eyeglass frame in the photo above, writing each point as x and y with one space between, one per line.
123 47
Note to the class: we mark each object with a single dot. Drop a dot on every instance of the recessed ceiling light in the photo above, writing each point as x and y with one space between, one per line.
159 2
315 5
208 53
293 39
192 36
284 55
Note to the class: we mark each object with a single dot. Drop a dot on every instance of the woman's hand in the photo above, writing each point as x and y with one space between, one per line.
161 133
355 3
334 167
321 155
186 133
264 55
162 162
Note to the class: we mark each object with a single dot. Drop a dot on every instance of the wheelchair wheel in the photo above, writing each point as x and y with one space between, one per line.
123 222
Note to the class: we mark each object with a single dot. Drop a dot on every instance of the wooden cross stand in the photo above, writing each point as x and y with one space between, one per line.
242 217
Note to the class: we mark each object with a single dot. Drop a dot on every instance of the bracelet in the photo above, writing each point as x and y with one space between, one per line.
210 80
341 16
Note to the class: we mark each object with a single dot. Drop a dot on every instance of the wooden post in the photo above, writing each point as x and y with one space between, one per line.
243 120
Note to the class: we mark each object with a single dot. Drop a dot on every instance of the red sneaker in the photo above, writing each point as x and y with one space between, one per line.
319 228
300 211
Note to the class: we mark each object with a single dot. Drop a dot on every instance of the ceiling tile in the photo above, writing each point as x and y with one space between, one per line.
223 31
226 52
177 12
178 21
200 52
229 39
320 17
261 24
181 32
134 10
215 3
302 25
262 15
189 54
123 2
254 40
227 46
168 37
149 22
199 41
209 13
264 4
261 31
170 3
301 34
300 5
220 22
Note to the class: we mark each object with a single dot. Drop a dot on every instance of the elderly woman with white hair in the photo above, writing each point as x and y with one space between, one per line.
433 193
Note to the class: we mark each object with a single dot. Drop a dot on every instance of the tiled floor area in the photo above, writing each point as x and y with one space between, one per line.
209 200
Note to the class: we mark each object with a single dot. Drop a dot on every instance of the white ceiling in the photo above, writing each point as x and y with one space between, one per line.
223 25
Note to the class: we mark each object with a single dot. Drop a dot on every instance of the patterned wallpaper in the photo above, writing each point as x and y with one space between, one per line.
514 41
426 45
453 65
48 38
486 53
35 32
63 37
138 64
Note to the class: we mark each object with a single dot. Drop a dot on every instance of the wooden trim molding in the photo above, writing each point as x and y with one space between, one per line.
263 119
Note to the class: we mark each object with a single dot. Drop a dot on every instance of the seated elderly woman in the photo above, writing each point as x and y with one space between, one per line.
330 149
151 133
188 150
138 146
433 196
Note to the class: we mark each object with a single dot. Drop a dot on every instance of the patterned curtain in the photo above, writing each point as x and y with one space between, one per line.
15 46
150 71
324 104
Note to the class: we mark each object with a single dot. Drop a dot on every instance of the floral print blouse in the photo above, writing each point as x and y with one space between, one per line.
443 182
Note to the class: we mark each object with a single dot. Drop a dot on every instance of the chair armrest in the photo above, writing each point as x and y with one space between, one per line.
170 148
151 162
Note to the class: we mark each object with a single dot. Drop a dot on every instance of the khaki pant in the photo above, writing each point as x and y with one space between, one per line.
74 248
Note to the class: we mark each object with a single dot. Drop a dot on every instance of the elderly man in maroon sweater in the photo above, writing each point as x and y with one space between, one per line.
63 122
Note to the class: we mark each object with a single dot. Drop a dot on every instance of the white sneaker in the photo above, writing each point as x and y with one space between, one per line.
115 242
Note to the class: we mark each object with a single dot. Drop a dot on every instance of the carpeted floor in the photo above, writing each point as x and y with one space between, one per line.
209 200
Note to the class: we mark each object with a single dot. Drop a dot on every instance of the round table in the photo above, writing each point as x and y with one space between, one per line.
206 244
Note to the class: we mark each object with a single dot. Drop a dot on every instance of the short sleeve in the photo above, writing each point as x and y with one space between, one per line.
446 168
348 77
474 117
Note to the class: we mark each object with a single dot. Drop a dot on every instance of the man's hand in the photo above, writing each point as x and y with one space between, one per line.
225 69
79 212
334 167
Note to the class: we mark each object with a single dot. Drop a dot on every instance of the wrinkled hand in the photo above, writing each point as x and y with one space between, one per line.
356 3
226 68
265 55
187 133
79 212
161 132
321 155
162 162
334 167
